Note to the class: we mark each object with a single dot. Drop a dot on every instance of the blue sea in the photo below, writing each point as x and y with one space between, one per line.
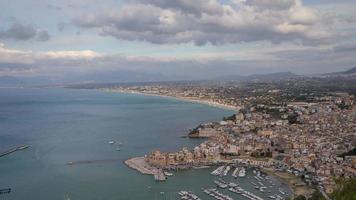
63 125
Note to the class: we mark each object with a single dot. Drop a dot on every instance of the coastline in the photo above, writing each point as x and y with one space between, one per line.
297 186
186 99
140 165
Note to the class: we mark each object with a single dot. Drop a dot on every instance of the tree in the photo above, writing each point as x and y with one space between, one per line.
300 197
317 196
345 190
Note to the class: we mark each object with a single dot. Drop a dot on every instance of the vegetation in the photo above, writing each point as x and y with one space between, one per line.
350 153
345 190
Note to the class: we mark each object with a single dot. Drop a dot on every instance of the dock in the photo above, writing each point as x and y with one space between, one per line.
5 191
92 161
14 149
143 167
159 175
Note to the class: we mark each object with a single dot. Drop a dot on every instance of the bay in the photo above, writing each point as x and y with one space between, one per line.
63 125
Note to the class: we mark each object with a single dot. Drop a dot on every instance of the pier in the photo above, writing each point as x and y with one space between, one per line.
92 161
143 167
5 191
14 149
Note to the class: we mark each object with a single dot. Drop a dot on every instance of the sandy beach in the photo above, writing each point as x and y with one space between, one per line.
194 100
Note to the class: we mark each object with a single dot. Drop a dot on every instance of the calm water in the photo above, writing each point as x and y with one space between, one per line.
73 125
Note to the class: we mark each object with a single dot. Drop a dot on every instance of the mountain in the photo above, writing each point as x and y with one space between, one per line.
347 73
264 77
350 71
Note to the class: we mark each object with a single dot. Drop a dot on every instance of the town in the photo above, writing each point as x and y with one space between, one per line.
292 126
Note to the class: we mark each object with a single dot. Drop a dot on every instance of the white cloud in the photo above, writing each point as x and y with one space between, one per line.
202 22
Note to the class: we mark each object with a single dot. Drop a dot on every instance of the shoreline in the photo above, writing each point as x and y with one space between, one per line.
290 180
186 99
144 168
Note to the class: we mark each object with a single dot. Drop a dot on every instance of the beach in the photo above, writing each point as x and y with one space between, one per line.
181 98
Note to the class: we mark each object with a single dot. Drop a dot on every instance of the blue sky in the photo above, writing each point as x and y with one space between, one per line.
176 38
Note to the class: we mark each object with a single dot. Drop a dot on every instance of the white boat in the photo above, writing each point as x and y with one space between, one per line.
281 191
226 171
234 173
111 142
168 174
242 172
218 171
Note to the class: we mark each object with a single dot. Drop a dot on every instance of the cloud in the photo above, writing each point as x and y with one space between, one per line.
4 66
271 4
18 31
202 22
62 64
346 47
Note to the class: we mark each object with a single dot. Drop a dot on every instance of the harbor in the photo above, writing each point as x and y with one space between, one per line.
229 186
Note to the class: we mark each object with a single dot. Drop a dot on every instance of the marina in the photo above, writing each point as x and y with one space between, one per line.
188 195
216 194
263 185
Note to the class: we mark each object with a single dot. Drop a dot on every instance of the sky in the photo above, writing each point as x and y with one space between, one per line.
174 39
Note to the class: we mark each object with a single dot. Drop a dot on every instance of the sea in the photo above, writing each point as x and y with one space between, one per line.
67 125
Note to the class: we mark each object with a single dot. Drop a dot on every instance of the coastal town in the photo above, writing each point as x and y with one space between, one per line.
297 130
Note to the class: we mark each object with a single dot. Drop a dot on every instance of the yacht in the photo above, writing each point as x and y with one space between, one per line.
242 172
234 174
226 171
168 174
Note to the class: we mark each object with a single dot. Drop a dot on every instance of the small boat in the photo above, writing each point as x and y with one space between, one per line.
111 142
242 172
234 174
281 191
168 174
118 149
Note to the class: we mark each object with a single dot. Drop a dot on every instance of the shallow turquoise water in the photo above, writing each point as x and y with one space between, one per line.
71 125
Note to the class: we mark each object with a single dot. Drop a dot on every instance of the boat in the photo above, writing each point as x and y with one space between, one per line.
23 147
111 142
220 184
234 173
281 191
118 149
168 174
226 171
242 172
232 184
262 189
218 171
